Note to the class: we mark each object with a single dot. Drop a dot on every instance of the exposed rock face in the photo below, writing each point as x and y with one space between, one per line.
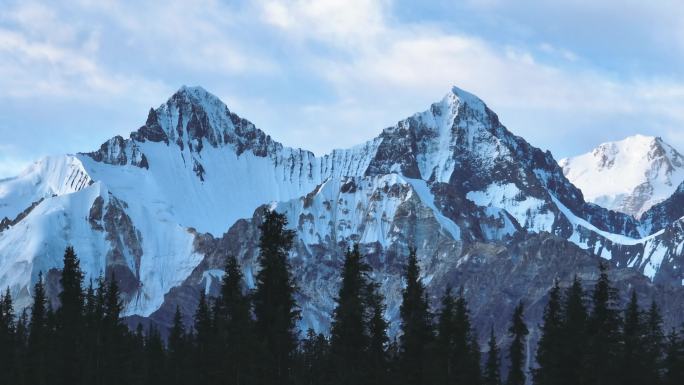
6 223
494 275
151 131
666 212
123 258
485 209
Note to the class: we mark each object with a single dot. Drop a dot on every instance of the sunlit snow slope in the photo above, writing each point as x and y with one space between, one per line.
162 208
629 176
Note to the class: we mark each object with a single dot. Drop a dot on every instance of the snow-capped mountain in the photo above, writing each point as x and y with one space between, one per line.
163 208
630 176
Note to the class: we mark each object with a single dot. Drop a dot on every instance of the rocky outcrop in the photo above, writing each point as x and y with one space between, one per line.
666 212
487 211
6 223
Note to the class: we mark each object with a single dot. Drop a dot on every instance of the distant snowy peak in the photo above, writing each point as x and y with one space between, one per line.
629 176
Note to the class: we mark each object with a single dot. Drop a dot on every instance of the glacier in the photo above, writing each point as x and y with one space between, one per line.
631 175
162 208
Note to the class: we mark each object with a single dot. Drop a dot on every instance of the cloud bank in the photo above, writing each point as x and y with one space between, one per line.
324 74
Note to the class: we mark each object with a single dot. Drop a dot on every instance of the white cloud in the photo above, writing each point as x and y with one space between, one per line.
201 35
42 55
347 23
372 68
32 68
400 68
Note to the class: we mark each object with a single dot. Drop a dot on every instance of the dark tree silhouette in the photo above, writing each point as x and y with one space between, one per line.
416 326
274 304
516 353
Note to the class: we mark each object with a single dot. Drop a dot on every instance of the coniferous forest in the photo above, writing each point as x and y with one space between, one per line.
250 337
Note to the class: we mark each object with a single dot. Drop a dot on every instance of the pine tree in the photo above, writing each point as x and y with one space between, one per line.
475 360
674 360
53 350
138 360
92 343
632 370
20 348
349 340
114 336
516 353
654 342
178 350
603 348
550 349
93 333
8 346
573 334
70 321
444 343
492 371
416 326
204 347
466 349
155 359
313 360
274 304
38 336
235 329
378 366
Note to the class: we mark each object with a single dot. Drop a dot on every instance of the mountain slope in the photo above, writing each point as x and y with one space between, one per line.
629 176
163 208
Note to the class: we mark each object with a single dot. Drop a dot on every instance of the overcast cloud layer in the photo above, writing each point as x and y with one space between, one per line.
325 74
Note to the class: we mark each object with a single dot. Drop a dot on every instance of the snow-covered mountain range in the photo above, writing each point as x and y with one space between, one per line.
485 209
629 176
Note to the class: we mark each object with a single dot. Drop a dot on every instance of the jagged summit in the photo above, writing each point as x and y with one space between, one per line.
164 207
197 92
630 175
195 98
467 98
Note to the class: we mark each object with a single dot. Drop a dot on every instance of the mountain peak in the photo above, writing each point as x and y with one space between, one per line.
466 97
199 98
194 91
630 175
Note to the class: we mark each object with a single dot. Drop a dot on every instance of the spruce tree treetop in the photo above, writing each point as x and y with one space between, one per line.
349 339
674 359
445 338
518 331
231 300
112 302
234 326
492 373
7 312
654 341
378 339
347 331
71 296
416 326
275 307
38 311
633 344
177 333
550 354
603 333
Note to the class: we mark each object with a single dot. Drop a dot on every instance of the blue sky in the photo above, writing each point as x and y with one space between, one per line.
566 75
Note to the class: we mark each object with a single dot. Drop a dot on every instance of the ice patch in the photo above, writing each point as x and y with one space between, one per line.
529 212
